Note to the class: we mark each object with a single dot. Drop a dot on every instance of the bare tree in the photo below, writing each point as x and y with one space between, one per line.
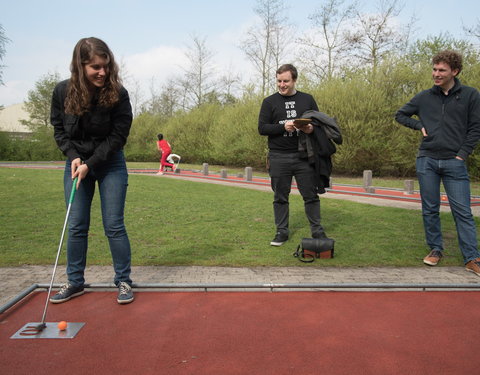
229 86
172 99
151 104
136 95
3 40
473 30
133 86
325 45
266 43
374 35
199 77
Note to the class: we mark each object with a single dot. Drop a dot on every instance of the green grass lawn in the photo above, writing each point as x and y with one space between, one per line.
176 222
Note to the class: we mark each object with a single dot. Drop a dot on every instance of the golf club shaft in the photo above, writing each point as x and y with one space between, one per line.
72 196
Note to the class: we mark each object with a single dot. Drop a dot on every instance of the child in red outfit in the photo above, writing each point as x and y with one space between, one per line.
164 147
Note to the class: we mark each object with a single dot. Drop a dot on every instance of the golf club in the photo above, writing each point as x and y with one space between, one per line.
42 325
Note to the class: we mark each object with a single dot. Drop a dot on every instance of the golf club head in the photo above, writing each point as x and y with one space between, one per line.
41 327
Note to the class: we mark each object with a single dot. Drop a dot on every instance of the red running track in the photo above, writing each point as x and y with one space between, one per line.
381 193
251 333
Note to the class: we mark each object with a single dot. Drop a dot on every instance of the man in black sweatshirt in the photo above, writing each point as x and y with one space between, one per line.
448 115
276 121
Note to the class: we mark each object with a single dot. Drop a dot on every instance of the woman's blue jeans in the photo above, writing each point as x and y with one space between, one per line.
112 179
454 175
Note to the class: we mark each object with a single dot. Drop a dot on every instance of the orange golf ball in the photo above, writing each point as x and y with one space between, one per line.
62 326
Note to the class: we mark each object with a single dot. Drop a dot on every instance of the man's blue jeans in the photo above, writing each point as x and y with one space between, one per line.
112 181
454 175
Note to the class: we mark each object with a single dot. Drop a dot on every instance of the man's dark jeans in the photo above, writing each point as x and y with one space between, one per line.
282 168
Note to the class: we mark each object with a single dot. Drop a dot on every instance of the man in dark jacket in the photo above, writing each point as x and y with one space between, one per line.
285 159
449 119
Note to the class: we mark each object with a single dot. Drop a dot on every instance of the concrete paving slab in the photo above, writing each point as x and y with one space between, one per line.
16 279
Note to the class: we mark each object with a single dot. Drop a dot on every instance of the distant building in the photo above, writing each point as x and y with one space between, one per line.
10 117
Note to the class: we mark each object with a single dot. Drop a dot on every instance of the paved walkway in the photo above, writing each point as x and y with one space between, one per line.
16 279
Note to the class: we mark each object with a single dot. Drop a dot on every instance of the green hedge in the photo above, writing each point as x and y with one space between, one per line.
363 103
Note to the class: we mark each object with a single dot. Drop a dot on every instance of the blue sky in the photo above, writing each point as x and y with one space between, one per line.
149 37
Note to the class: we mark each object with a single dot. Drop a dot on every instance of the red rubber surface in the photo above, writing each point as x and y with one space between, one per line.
251 333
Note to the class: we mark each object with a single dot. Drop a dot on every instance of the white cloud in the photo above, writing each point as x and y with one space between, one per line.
14 92
159 63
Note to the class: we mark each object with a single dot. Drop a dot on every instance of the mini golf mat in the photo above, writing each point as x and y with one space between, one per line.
51 331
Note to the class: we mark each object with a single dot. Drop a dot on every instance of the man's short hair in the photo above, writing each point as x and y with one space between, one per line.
452 58
288 68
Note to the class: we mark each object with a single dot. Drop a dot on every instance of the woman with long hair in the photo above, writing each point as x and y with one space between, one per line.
92 115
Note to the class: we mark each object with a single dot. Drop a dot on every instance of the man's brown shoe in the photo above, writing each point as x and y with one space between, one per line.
473 266
433 258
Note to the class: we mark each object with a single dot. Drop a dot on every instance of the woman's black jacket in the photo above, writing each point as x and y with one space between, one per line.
96 134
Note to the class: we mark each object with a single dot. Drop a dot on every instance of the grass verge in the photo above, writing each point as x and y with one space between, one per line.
175 222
